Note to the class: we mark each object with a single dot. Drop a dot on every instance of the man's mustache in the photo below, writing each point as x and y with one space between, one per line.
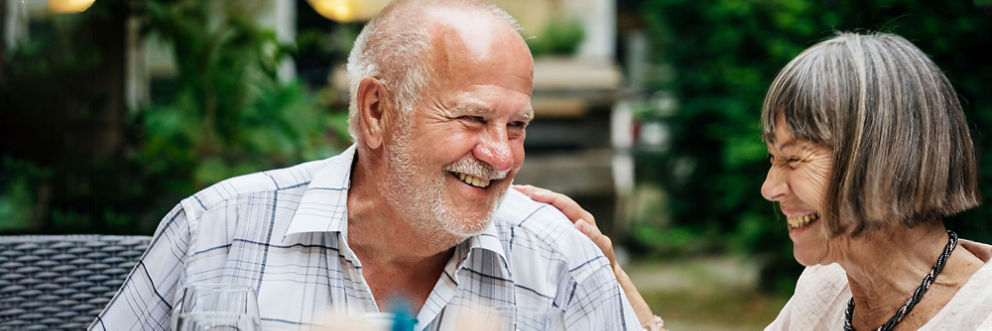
472 166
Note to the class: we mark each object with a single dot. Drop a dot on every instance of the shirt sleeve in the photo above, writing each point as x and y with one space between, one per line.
148 295
596 302
629 316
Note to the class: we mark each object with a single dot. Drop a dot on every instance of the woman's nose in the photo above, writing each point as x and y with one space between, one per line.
774 188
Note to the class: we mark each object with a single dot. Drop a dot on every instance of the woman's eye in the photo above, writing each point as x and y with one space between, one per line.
792 161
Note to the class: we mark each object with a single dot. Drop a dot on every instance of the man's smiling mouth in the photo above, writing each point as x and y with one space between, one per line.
472 180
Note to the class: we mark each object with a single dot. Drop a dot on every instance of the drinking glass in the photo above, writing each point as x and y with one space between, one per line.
338 320
540 319
216 321
522 317
207 303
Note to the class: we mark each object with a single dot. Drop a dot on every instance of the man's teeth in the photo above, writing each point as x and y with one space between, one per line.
800 221
474 181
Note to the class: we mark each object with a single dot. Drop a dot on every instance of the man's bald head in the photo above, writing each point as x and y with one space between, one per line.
396 46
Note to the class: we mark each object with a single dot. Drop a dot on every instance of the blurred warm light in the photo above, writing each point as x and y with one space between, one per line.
347 10
69 6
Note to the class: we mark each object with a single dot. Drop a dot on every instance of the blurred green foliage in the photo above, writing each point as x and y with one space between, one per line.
724 55
224 113
559 37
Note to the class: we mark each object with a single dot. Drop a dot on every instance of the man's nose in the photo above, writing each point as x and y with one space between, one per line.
494 149
775 187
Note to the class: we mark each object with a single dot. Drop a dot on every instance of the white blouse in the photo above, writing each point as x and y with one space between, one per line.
822 293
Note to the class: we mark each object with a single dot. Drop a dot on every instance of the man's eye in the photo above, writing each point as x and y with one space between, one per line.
518 124
792 161
478 119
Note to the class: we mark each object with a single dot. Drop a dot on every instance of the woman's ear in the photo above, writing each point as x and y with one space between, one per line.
371 102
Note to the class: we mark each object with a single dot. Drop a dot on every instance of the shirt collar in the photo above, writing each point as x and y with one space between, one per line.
488 240
324 205
324 208
479 250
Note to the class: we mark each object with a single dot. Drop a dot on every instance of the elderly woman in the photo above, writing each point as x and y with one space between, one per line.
869 152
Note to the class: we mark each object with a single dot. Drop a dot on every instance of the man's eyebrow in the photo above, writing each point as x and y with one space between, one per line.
472 108
528 114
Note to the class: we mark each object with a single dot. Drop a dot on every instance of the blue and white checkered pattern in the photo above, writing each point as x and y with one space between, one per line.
282 232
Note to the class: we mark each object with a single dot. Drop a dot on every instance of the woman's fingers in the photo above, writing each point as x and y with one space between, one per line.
566 205
585 223
527 190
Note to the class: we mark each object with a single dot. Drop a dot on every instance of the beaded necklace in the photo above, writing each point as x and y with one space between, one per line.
952 242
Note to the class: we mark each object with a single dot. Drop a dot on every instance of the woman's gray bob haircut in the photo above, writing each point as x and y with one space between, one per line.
394 47
901 149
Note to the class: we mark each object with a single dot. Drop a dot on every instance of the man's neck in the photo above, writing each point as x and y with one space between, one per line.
887 266
398 259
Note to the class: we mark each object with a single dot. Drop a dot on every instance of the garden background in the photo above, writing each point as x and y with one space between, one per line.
84 152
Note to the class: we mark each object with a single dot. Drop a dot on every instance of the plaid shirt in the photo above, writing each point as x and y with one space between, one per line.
282 232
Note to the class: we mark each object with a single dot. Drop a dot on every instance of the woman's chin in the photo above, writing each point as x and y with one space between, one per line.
803 260
808 246
808 255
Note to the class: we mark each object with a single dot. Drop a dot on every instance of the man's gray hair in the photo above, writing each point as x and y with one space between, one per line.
394 47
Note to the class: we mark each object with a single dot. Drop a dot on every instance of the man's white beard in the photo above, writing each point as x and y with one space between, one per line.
419 193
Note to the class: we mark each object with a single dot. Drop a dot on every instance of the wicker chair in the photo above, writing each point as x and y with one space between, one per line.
61 281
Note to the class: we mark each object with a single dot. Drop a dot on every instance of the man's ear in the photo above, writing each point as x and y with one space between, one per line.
371 100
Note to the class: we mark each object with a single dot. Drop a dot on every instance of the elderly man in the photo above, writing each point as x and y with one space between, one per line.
417 209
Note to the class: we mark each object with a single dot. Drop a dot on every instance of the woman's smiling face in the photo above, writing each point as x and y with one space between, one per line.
798 180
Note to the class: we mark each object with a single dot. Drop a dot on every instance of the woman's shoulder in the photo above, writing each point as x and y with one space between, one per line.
818 302
971 306
826 280
980 250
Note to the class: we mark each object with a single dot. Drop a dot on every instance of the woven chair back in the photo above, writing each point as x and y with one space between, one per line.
62 281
